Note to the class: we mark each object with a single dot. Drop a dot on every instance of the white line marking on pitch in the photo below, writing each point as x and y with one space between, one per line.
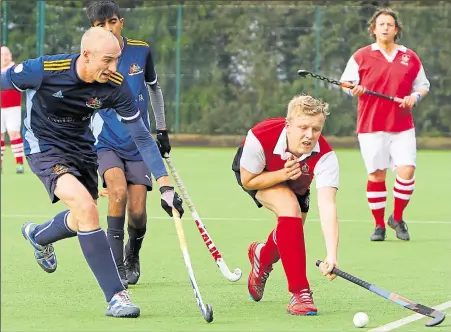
33 216
410 319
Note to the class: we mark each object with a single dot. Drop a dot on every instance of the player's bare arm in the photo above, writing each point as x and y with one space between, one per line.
327 206
251 181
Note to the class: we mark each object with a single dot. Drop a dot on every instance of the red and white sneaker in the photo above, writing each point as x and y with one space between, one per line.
257 277
301 304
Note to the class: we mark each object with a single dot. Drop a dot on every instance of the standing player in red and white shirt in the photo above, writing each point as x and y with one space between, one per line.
385 129
275 166
11 116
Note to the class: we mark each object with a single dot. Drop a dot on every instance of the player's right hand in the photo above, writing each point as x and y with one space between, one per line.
171 200
358 90
326 268
292 168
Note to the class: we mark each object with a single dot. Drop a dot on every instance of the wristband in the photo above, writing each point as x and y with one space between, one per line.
350 93
418 95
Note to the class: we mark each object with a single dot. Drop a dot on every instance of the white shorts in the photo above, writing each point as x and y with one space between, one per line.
382 150
11 118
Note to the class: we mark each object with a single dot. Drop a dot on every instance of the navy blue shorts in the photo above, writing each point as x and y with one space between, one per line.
303 200
51 164
136 172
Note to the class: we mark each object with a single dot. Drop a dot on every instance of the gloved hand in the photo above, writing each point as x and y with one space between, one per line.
163 142
171 200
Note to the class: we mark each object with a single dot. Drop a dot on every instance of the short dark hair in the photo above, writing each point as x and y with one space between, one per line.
100 11
385 11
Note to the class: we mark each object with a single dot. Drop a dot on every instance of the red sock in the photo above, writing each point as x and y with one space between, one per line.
269 253
376 192
3 149
290 241
402 192
17 148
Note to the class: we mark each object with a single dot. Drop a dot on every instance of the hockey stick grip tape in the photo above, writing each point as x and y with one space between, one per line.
347 276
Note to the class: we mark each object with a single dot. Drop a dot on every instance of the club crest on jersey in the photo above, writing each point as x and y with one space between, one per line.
305 169
134 69
405 59
94 103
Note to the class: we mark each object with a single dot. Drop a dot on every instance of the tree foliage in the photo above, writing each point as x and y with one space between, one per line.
239 60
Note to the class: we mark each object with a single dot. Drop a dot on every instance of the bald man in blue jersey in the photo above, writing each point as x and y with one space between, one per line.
63 91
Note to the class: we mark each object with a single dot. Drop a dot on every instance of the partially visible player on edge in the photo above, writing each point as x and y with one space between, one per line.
63 91
11 116
275 165
385 129
120 164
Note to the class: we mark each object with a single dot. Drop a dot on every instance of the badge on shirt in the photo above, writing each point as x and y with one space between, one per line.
94 103
305 168
405 59
134 69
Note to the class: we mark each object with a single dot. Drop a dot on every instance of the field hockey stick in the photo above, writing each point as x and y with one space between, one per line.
232 276
305 73
206 310
437 316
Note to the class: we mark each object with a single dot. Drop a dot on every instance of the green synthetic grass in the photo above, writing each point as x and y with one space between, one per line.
70 299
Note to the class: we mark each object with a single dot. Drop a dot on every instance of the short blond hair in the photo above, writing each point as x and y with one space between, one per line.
307 105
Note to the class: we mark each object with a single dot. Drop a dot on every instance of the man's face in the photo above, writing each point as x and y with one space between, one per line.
385 29
303 133
6 57
103 62
113 24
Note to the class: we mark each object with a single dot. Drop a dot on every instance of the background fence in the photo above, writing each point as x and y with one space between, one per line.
224 67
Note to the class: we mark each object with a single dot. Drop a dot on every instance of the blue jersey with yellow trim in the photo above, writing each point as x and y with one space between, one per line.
137 67
59 105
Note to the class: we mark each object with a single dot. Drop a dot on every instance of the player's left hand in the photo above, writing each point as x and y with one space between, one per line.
327 266
409 101
171 200
163 142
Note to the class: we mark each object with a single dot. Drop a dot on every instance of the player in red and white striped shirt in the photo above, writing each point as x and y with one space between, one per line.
276 166
11 116
385 129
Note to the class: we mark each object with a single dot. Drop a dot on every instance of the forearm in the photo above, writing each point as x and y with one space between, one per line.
157 102
329 225
6 82
422 93
264 180
148 149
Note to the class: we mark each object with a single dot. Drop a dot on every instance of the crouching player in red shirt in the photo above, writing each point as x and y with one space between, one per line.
275 165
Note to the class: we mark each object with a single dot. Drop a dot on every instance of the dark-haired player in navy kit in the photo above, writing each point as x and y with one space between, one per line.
121 166
63 91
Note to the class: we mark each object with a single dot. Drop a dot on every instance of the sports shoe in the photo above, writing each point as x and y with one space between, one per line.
121 306
122 274
257 277
400 228
379 234
131 262
20 169
301 304
45 255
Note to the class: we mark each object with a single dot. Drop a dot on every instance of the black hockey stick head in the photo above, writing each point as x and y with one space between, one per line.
304 73
438 318
208 315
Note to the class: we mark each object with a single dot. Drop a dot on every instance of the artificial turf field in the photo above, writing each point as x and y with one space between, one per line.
70 299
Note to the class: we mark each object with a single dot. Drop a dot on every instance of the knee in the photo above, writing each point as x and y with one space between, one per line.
88 215
406 172
137 219
288 205
118 194
377 176
14 135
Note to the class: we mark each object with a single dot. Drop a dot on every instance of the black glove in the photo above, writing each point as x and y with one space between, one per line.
163 142
171 200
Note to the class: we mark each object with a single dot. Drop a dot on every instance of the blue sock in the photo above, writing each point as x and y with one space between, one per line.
96 249
53 230
115 234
